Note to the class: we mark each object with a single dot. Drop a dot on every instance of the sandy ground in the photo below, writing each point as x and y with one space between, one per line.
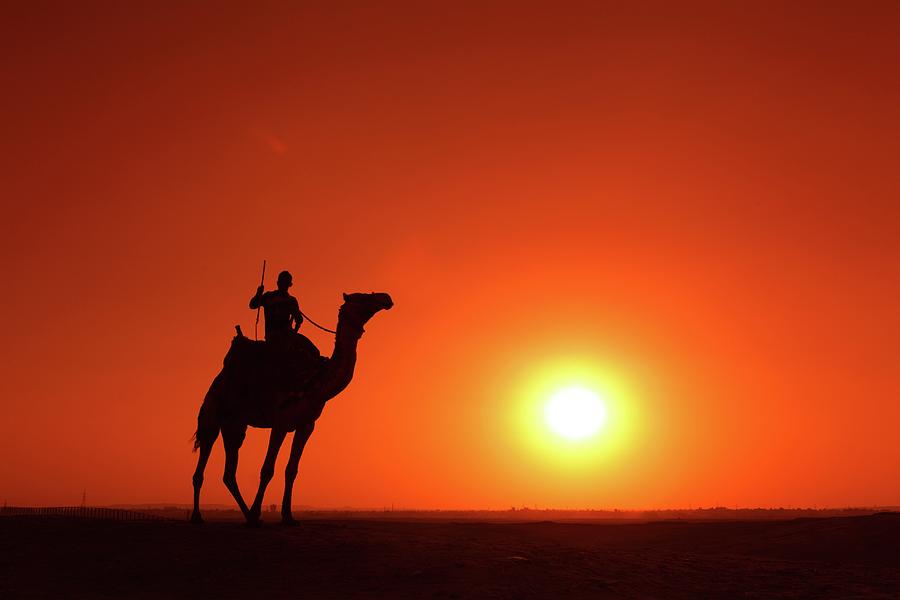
853 557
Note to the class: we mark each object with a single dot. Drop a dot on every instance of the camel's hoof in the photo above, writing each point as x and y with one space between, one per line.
196 519
255 523
289 521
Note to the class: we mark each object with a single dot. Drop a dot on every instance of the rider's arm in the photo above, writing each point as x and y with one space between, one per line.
296 315
257 300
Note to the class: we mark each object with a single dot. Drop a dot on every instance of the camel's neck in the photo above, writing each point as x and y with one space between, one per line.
343 358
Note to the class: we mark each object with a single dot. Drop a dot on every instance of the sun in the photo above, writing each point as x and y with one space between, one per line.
575 413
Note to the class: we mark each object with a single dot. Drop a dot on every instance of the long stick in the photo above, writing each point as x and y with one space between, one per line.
262 281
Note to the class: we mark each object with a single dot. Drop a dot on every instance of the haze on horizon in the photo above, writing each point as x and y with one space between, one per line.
692 209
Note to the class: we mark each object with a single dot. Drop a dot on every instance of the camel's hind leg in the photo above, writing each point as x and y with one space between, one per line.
233 439
207 432
205 450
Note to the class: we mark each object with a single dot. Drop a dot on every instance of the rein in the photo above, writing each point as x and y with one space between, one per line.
302 314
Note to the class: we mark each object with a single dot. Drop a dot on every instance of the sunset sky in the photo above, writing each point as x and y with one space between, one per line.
692 211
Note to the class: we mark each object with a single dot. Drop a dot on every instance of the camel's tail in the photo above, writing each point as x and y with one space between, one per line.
207 430
207 425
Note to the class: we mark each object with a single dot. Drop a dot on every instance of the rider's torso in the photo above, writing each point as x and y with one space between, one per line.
279 307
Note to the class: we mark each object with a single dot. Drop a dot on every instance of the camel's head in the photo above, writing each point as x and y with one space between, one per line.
362 307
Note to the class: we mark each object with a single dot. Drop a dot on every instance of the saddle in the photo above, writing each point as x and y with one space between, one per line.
288 362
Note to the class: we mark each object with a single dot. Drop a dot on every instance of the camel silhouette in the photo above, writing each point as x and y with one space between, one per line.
244 393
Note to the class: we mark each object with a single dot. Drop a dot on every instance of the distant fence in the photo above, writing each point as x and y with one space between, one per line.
80 512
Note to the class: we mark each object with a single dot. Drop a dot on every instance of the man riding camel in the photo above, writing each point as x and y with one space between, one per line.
283 316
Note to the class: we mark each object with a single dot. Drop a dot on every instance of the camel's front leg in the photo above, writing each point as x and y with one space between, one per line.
265 474
290 472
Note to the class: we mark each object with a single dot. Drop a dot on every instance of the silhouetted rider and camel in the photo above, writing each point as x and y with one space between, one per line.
280 384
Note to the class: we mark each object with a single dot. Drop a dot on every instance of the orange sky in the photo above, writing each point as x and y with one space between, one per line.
701 202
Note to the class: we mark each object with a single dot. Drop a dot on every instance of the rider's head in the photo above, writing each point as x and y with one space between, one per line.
285 281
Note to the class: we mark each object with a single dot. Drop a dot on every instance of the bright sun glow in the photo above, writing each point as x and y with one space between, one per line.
575 413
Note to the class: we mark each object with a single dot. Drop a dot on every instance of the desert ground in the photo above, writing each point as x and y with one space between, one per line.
60 557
